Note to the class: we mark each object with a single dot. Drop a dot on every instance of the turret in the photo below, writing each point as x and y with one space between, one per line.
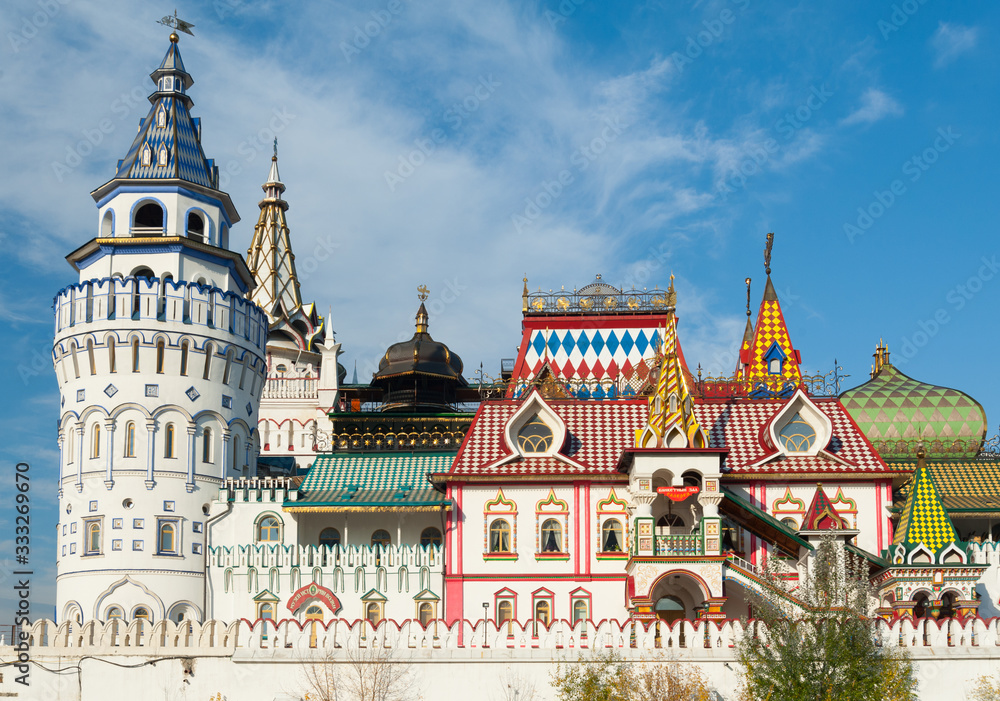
160 362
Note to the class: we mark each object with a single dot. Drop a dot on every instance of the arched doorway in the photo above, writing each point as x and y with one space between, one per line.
677 595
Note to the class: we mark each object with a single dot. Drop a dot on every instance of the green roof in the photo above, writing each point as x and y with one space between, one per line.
965 487
896 412
372 482
760 522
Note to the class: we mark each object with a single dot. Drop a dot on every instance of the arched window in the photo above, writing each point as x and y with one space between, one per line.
93 538
76 364
184 357
161 117
551 536
314 613
329 537
373 613
148 220
168 539
130 439
430 536
269 530
114 614
500 536
228 367
381 537
243 369
135 353
612 536
147 155
108 224
90 356
161 156
196 227
543 611
168 441
670 521
206 445
237 448
159 357
266 611
534 436
208 361
425 612
95 441
505 611
111 354
141 614
580 612
797 436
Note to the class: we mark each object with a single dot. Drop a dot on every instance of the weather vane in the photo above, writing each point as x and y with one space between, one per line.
748 297
423 293
276 147
177 23
767 253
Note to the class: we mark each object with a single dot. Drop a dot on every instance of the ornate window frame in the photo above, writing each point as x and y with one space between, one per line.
502 596
580 595
500 508
552 508
539 596
612 507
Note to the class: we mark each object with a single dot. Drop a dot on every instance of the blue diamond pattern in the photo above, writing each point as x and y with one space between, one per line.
613 342
538 344
554 342
568 343
597 342
627 342
655 340
641 343
583 343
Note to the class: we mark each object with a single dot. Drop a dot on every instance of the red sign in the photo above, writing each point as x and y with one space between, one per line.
314 591
677 493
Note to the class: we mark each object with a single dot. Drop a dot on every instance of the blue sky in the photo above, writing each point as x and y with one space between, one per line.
465 144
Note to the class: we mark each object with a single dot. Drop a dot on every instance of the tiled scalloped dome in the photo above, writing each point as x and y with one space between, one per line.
897 412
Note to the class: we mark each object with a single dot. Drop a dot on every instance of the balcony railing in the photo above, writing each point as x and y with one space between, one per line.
673 545
290 388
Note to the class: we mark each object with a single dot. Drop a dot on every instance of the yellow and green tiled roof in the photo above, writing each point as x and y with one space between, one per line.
965 487
372 481
896 412
924 520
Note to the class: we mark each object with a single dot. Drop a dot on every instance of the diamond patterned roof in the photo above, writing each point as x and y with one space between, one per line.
770 331
600 430
924 520
179 133
962 485
896 412
372 480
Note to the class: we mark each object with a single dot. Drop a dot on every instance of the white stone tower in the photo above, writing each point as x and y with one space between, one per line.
160 362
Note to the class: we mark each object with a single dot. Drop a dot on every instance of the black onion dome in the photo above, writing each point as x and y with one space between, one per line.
421 355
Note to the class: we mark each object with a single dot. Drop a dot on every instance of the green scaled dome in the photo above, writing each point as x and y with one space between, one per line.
897 413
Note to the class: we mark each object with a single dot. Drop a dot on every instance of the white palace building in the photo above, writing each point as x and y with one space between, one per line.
230 506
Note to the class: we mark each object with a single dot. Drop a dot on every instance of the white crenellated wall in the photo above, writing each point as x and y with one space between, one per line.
253 661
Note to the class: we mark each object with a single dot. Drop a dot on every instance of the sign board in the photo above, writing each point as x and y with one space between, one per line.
314 591
677 493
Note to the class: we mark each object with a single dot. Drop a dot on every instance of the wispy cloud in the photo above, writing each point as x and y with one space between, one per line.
951 41
875 106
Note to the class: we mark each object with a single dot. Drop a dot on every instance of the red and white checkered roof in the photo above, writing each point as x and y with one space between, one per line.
598 432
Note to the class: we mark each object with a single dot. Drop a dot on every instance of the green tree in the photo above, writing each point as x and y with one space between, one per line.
822 644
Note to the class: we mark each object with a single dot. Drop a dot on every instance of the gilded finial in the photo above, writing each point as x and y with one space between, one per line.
423 293
174 38
748 297
767 254
524 294
671 294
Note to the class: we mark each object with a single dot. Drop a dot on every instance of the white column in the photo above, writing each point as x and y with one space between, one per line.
109 428
63 461
150 452
226 447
